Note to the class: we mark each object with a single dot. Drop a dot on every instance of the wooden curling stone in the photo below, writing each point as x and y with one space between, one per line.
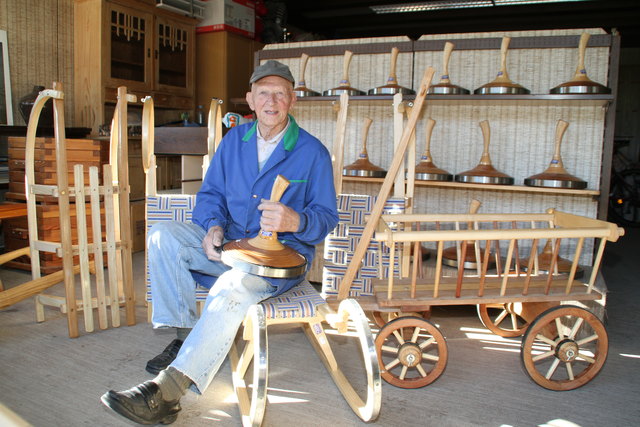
544 262
362 166
426 170
302 90
264 255
450 255
445 87
392 87
484 173
581 83
556 176
502 84
345 86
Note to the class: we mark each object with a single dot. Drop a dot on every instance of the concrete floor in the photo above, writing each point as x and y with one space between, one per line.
51 380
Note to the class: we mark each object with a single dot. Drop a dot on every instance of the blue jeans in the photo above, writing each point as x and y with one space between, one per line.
174 251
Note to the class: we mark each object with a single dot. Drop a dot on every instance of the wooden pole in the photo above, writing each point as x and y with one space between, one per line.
385 189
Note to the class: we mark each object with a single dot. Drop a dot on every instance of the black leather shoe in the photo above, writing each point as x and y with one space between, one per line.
164 359
143 404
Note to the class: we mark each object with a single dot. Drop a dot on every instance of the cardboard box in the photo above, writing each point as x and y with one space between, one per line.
236 16
138 226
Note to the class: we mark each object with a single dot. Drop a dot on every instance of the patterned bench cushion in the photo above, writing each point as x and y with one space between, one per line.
296 303
343 240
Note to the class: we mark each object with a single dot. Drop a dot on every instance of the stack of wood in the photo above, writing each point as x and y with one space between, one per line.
79 151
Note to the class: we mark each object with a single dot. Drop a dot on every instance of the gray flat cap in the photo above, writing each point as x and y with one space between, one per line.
272 68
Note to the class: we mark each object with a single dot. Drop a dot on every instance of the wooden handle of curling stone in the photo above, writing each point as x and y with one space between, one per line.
303 67
556 163
503 76
279 186
428 131
474 206
345 68
486 135
366 124
269 240
581 72
393 79
448 48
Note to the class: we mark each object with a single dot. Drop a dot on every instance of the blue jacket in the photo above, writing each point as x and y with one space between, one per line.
232 189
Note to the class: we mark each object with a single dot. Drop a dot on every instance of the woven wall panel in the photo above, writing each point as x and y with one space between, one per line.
40 38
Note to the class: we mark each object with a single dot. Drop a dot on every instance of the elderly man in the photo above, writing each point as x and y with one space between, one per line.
232 204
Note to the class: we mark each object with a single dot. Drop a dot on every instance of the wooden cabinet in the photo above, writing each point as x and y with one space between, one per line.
225 64
133 44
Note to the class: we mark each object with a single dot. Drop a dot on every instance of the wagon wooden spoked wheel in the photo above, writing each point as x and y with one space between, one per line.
571 355
415 361
504 320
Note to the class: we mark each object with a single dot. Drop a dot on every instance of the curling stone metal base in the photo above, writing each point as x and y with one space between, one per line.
467 265
594 89
390 90
448 90
263 270
434 176
501 90
555 183
339 91
475 179
304 92
364 173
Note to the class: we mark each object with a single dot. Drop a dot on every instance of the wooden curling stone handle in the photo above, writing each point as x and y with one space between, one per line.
366 124
303 67
581 72
503 76
279 186
345 68
393 78
268 240
556 165
486 134
448 48
428 131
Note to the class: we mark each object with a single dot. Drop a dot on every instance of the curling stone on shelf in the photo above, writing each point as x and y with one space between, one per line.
555 175
563 265
581 83
392 87
502 84
450 255
426 170
302 90
484 173
445 87
362 166
345 86
264 255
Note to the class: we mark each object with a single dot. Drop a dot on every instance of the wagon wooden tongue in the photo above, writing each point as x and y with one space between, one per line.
264 255
485 173
556 175
392 87
502 84
362 166
581 83
345 86
445 87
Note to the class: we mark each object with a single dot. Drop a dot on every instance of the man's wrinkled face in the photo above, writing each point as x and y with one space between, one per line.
271 98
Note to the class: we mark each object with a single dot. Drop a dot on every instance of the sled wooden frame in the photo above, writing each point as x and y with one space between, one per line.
114 193
301 305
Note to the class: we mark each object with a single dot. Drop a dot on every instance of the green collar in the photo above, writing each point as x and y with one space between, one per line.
290 137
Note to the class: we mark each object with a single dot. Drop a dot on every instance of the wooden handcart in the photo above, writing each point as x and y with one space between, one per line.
564 344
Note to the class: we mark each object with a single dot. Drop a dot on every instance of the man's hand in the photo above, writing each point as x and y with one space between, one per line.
278 217
212 243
